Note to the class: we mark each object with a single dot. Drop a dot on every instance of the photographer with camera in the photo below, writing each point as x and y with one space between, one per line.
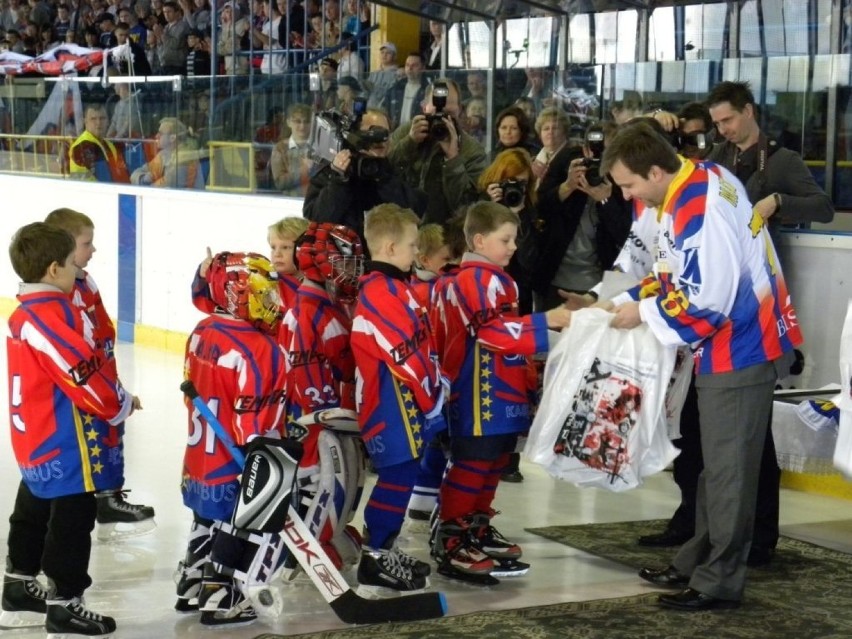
436 156
586 220
358 176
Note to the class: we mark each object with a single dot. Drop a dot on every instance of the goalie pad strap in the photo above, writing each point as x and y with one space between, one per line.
249 557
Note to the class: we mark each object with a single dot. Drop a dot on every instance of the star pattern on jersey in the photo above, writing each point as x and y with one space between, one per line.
412 417
95 451
485 399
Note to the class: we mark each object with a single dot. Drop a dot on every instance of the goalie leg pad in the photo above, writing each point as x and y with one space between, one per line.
326 506
266 486
250 558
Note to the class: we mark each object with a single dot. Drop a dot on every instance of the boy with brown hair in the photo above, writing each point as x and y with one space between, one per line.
117 518
64 402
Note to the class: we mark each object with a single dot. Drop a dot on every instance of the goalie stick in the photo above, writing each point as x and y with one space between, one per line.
346 603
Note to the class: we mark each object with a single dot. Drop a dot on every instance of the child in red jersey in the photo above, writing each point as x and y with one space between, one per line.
321 375
117 518
432 255
487 360
65 401
237 366
399 392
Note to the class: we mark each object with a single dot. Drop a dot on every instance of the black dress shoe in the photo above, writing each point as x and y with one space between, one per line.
665 539
668 577
513 477
691 599
760 556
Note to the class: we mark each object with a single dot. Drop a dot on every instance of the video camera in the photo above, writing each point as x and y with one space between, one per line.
438 130
595 144
334 131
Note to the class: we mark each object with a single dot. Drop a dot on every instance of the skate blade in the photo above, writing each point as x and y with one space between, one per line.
510 568
217 619
483 579
14 619
382 592
75 635
121 530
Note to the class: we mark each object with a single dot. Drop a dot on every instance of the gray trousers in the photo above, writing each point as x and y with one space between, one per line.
734 410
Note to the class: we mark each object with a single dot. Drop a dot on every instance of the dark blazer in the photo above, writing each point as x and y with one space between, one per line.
394 98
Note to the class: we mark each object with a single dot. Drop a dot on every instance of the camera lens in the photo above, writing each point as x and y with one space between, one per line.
438 130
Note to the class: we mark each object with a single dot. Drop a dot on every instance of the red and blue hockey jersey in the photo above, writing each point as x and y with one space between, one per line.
315 336
63 399
716 282
398 386
87 297
487 349
239 372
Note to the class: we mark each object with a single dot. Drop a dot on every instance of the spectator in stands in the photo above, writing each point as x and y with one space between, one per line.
138 63
171 40
325 97
197 14
126 121
62 24
158 11
512 130
106 24
475 119
527 105
535 91
406 96
348 88
41 13
8 14
331 31
341 193
553 127
351 63
477 86
233 28
136 32
586 222
92 37
355 18
382 80
176 163
91 156
13 41
432 56
443 161
198 58
273 63
291 162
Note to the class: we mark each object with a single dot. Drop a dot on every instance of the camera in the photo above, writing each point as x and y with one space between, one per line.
334 131
514 192
595 144
691 142
438 130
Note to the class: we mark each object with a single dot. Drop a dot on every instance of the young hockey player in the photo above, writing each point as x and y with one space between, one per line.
281 237
399 393
432 255
321 375
70 400
117 518
442 256
486 358
237 366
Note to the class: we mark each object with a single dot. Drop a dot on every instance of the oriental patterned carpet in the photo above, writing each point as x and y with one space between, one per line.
806 593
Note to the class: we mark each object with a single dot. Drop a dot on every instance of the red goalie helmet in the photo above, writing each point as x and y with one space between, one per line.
331 255
244 285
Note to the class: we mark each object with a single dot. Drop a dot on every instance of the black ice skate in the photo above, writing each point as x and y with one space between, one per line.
417 567
70 618
458 555
493 544
381 573
221 601
119 519
23 603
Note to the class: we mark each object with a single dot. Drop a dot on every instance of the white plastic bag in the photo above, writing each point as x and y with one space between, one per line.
843 448
601 421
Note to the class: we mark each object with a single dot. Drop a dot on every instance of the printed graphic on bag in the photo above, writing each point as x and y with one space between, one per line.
603 414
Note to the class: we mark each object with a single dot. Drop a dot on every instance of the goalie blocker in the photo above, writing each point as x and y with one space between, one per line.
265 507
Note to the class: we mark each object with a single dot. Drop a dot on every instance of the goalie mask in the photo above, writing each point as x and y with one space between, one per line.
244 285
331 255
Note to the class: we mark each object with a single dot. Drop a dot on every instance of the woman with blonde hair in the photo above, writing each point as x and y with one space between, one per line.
553 127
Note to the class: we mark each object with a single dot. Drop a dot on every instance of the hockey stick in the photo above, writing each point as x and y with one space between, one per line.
345 602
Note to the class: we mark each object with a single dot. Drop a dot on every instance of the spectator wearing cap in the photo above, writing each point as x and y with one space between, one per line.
326 97
348 89
351 63
233 28
381 81
198 58
403 100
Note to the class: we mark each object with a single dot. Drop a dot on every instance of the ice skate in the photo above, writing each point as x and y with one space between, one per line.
493 544
413 563
221 602
68 618
188 582
381 573
458 555
119 519
23 603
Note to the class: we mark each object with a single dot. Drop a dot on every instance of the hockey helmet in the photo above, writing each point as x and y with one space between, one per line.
331 255
244 285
